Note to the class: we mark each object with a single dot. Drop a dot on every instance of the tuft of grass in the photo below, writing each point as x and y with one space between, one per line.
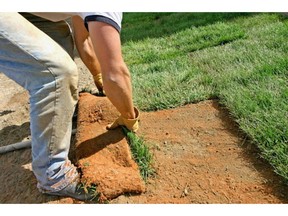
91 189
86 89
140 153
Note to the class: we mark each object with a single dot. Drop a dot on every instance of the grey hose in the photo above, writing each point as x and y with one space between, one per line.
19 145
15 146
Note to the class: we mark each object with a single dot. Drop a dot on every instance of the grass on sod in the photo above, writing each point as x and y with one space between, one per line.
140 153
242 59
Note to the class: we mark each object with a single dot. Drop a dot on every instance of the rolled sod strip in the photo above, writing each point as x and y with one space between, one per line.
104 156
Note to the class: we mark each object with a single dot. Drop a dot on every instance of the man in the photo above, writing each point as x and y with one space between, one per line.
36 54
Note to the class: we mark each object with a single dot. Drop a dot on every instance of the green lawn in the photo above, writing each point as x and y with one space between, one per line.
240 58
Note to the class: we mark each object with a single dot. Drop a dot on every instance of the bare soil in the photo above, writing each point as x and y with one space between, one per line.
200 156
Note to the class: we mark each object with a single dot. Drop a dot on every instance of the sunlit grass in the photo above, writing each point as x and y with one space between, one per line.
180 58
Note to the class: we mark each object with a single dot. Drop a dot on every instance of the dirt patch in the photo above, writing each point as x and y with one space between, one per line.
199 156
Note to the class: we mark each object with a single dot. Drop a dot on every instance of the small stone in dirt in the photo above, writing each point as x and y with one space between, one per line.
186 192
157 147
165 142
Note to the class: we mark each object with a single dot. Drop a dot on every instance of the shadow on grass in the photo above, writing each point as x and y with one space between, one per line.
138 26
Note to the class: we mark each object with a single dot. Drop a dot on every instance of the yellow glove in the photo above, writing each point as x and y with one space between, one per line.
130 124
99 83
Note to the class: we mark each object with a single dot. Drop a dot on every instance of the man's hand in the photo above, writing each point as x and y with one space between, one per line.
130 124
99 83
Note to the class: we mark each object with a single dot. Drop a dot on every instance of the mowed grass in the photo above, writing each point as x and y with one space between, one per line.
241 59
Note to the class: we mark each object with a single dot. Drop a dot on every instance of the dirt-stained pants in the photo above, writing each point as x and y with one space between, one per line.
39 64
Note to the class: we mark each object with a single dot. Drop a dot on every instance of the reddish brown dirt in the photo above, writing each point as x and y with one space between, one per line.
199 157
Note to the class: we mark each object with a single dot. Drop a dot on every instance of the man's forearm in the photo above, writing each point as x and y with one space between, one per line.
116 76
